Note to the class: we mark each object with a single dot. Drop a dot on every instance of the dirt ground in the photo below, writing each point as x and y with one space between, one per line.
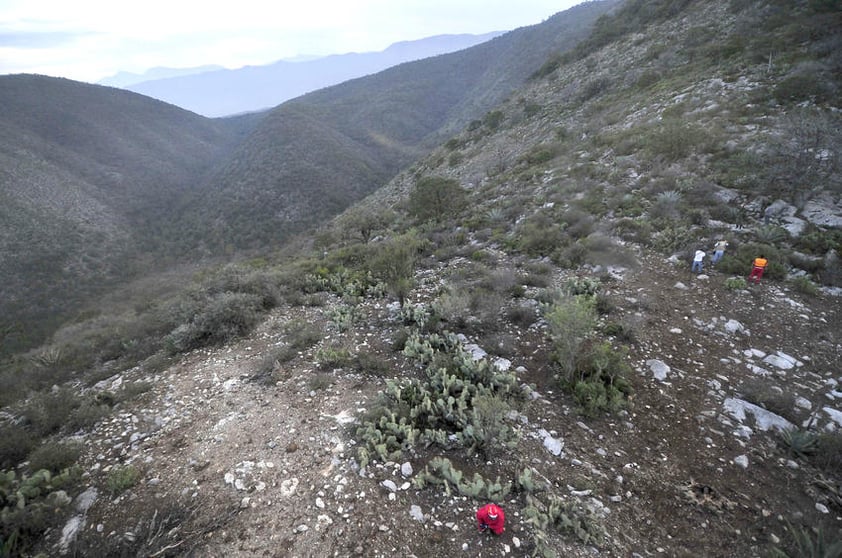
269 470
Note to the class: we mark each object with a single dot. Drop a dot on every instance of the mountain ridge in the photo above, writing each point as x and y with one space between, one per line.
226 92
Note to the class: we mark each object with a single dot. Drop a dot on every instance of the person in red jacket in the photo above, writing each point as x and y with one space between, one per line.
491 516
757 269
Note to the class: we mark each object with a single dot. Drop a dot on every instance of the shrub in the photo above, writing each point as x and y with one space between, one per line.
369 362
522 314
435 198
54 456
47 412
803 86
224 317
622 331
828 454
15 444
539 235
540 154
804 286
736 283
334 356
393 262
320 381
571 320
121 478
599 380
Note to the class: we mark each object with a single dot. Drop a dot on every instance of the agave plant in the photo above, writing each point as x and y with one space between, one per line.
800 442
809 544
771 234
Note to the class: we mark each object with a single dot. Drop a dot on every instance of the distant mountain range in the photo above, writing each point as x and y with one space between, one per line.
214 91
125 79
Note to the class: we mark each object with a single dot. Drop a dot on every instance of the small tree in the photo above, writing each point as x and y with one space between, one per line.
434 198
394 264
366 222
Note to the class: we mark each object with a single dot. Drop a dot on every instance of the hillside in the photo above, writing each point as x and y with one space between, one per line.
88 175
512 318
224 92
151 186
311 157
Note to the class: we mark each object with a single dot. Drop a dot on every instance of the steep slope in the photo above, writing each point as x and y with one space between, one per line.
252 88
88 174
314 155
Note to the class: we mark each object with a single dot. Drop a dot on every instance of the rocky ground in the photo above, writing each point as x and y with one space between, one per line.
693 468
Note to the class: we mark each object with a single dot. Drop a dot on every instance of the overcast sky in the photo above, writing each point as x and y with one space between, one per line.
88 40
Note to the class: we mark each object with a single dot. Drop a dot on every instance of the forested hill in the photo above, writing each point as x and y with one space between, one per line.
313 156
87 176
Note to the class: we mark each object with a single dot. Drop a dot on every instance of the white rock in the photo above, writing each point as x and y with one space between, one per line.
659 369
406 469
803 403
821 508
416 513
733 326
288 486
764 420
69 532
320 503
742 461
681 286
389 484
553 445
834 415
516 542
502 364
779 362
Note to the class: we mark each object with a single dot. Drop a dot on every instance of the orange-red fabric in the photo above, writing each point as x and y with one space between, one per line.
760 262
496 525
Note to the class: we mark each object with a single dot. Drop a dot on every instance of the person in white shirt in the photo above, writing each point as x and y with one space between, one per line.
698 261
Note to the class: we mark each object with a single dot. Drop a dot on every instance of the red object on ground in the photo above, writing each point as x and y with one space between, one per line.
486 518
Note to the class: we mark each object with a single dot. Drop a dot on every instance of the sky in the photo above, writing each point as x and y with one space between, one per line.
88 40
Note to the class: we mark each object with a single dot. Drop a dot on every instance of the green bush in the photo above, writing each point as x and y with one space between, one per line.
121 478
571 320
736 283
804 286
15 444
48 412
54 456
434 198
334 356
393 262
599 382
224 317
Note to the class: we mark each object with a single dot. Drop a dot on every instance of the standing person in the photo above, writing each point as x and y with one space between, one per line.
491 516
719 250
698 261
757 269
